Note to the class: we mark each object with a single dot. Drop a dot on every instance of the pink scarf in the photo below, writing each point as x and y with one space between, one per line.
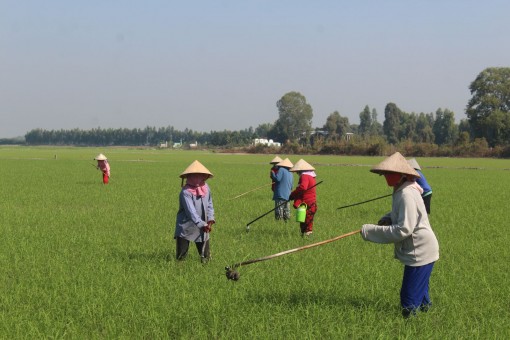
104 166
310 173
195 184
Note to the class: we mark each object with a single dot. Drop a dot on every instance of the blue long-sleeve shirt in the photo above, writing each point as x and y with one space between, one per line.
283 184
422 182
194 213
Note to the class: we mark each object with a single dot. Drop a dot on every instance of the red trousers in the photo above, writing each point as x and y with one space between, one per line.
105 178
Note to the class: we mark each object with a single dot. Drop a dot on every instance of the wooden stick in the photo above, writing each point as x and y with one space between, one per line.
279 205
269 257
373 199
262 186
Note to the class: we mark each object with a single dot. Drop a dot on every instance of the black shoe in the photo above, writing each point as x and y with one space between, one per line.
408 312
425 308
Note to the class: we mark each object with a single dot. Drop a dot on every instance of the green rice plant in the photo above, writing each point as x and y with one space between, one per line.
79 259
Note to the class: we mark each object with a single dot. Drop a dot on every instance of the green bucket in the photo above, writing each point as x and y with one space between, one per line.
301 213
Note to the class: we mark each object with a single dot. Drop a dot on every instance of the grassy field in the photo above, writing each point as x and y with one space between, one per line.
82 260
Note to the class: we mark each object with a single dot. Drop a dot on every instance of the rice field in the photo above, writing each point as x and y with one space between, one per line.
79 259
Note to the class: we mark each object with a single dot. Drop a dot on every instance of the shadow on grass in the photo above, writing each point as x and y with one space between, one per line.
301 299
90 182
138 256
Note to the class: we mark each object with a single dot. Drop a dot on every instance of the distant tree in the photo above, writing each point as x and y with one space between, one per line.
488 110
391 125
408 126
445 130
376 128
263 130
424 131
464 126
336 126
365 122
295 117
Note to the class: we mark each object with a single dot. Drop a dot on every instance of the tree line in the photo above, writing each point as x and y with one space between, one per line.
487 124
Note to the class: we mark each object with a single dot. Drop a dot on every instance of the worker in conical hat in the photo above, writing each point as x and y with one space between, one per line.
408 227
104 166
305 193
195 216
283 182
274 169
422 182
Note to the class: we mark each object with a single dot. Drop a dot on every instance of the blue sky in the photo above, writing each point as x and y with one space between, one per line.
215 65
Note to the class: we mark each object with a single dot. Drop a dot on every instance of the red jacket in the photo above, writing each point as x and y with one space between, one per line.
301 194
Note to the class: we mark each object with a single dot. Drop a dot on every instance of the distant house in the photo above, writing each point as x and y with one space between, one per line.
194 145
177 145
265 141
348 135
163 144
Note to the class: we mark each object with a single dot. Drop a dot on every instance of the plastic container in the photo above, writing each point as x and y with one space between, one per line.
301 213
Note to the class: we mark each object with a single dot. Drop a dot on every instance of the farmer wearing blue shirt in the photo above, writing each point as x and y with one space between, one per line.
422 182
283 186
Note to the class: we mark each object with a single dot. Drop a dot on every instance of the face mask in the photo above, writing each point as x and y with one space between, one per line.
392 178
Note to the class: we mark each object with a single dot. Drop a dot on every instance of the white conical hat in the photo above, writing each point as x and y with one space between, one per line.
302 165
395 163
100 157
285 163
276 160
196 168
413 163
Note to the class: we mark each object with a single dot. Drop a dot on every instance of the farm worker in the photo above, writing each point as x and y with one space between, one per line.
196 213
102 164
283 182
274 170
302 194
408 227
422 182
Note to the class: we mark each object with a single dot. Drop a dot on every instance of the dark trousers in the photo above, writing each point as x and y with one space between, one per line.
426 200
182 246
414 293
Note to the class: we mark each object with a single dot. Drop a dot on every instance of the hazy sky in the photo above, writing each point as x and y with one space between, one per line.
215 65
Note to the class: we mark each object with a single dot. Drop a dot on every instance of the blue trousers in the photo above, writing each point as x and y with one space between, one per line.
414 293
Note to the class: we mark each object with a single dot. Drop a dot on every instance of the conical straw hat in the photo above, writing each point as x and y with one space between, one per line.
196 168
276 160
413 163
285 163
395 163
100 157
302 165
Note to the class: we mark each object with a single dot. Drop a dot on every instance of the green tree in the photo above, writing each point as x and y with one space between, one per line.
336 125
263 130
445 130
488 109
376 128
408 126
391 124
365 122
424 131
295 117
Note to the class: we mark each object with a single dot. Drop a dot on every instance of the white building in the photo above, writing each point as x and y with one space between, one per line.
265 141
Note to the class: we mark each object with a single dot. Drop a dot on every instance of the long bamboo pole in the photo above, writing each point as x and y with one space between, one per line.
232 274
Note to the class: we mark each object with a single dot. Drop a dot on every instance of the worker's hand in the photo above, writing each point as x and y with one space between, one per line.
206 229
209 225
